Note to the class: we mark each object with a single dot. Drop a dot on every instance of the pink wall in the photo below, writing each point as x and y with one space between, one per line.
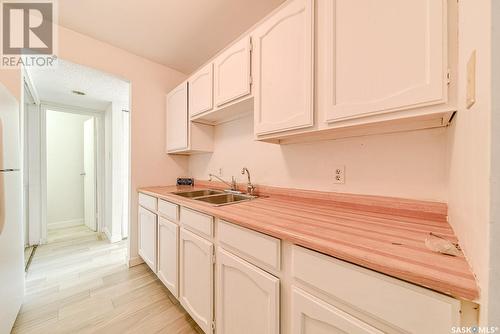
11 79
469 146
149 84
410 165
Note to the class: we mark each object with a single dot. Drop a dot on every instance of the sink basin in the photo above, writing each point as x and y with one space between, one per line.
214 197
198 193
224 199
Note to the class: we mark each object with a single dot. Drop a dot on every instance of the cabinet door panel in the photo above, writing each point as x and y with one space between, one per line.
311 315
201 90
384 55
147 237
196 278
283 71
232 72
168 264
177 118
248 297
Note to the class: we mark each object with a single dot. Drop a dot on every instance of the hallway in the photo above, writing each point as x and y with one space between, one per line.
80 283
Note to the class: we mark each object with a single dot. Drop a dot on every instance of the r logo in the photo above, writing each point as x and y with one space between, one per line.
27 28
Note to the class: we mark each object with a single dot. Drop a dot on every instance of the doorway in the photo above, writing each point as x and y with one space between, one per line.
71 174
101 103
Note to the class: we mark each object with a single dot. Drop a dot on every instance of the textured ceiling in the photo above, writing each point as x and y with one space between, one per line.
181 34
56 85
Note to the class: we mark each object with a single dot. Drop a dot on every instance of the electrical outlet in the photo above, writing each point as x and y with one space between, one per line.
339 175
221 172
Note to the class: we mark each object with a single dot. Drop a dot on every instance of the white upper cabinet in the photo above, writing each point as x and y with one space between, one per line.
232 72
201 91
147 222
177 118
383 56
168 246
283 69
248 297
184 136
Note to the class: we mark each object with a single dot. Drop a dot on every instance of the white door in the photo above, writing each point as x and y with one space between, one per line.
147 237
311 315
383 56
201 89
89 174
196 278
168 250
177 118
248 298
284 71
232 72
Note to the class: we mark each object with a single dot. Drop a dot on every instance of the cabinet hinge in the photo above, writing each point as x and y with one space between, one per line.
250 80
213 325
251 45
213 257
448 77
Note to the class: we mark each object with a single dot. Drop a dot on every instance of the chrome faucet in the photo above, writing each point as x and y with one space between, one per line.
250 186
232 185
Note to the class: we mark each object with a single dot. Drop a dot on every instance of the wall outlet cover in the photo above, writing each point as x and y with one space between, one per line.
339 174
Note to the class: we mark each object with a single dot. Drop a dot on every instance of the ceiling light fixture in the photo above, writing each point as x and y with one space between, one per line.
77 92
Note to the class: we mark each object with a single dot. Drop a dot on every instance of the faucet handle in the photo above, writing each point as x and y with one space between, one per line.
234 186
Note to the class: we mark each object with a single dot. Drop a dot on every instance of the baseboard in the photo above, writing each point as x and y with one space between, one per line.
72 222
106 232
110 237
135 261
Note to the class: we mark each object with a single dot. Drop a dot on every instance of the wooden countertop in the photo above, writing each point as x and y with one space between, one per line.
383 234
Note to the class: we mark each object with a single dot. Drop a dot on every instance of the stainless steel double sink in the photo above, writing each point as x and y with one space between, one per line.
215 197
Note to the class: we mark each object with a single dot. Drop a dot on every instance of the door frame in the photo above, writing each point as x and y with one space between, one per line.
100 158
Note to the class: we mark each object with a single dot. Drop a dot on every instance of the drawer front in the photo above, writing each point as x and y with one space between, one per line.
254 246
312 315
148 202
397 303
168 210
197 222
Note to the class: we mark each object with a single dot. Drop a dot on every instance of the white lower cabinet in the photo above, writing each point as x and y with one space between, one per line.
248 298
321 294
196 278
168 260
147 237
311 315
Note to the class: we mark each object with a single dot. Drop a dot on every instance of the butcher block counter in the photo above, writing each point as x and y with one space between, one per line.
379 233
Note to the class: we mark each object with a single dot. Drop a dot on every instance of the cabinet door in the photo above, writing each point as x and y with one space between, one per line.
283 71
232 72
147 237
196 278
168 263
383 56
177 118
311 315
201 90
248 297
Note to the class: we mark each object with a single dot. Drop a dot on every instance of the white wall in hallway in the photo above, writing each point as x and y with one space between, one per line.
64 165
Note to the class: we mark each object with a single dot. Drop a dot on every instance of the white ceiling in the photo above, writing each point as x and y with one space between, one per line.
182 34
55 84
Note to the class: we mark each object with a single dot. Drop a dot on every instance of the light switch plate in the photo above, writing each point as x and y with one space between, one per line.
471 80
